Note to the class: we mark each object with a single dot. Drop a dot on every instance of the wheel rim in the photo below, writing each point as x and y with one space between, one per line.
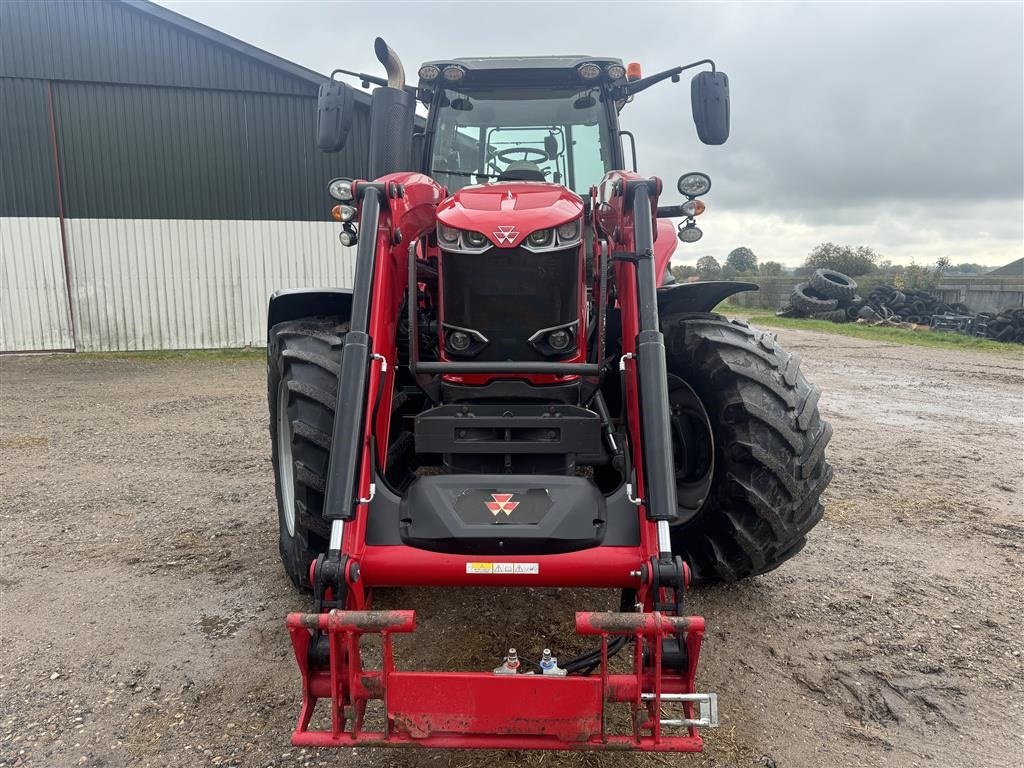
285 462
693 447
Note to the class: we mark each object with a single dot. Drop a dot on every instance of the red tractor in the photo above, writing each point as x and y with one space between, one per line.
516 394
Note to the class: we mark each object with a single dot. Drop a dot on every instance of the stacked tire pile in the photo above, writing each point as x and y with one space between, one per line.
832 296
911 305
828 295
1007 325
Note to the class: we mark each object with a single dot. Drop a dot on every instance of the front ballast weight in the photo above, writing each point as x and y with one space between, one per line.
504 708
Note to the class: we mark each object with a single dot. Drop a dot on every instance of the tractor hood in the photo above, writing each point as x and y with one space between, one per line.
507 212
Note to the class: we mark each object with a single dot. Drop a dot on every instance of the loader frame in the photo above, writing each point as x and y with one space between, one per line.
481 709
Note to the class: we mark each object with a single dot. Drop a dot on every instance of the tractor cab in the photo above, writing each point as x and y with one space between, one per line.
550 119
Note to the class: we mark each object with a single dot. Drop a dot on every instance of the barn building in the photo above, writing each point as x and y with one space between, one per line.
158 180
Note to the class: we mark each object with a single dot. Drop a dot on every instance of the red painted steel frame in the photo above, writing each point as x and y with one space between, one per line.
475 709
487 711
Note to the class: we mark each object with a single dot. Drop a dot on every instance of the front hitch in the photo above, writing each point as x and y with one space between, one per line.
502 711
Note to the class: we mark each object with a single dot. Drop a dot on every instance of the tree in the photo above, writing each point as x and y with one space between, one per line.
923 278
769 269
683 272
729 272
942 265
742 259
847 259
708 268
968 268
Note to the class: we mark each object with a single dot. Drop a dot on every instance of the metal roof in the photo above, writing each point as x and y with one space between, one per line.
233 43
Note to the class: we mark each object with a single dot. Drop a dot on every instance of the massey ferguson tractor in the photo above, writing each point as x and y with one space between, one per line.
515 393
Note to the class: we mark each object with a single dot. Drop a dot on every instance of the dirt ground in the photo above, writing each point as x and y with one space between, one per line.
143 601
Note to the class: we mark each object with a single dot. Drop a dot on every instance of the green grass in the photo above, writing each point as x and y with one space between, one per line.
766 318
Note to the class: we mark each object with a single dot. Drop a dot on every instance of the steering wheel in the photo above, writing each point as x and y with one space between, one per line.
503 155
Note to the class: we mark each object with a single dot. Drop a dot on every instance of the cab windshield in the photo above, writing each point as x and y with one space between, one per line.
558 135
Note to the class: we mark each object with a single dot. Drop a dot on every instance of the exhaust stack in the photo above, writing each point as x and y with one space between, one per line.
392 64
391 118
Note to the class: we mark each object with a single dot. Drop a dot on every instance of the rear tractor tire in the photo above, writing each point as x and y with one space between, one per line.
768 470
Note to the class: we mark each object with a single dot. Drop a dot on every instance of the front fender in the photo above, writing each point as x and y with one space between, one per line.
701 296
293 303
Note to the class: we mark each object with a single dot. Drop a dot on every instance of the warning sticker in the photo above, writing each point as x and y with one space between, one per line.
530 569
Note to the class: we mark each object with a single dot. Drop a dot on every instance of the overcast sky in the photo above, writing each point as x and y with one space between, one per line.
898 126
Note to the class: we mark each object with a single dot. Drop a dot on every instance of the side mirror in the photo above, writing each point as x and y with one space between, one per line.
709 98
335 110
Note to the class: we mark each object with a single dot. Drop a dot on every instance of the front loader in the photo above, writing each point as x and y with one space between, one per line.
514 393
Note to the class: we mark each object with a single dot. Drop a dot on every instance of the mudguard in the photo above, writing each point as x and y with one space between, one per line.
293 303
701 296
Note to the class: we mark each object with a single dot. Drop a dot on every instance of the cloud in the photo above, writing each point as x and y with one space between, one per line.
893 125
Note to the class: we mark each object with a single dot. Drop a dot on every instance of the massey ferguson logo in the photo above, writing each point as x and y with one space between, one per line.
502 503
506 234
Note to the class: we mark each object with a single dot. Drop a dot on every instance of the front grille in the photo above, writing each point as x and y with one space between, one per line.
508 294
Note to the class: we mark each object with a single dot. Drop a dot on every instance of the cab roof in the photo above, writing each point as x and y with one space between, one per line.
498 70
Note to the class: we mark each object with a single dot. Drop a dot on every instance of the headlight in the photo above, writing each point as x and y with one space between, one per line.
461 240
340 189
694 184
690 233
453 74
429 73
447 235
541 238
589 71
615 71
349 235
559 340
569 232
459 341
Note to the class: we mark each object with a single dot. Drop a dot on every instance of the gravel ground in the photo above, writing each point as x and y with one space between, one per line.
143 599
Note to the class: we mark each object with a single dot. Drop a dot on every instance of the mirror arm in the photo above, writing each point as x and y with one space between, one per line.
644 83
671 212
367 79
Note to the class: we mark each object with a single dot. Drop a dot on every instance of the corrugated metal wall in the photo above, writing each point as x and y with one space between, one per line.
34 313
27 174
146 152
190 187
199 284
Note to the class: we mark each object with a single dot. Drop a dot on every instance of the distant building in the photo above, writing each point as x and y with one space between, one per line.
1013 269
159 180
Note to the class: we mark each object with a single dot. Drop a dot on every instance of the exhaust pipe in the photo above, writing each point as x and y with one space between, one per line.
392 116
392 64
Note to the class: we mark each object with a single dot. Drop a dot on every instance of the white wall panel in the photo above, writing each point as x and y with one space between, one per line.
33 293
192 284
